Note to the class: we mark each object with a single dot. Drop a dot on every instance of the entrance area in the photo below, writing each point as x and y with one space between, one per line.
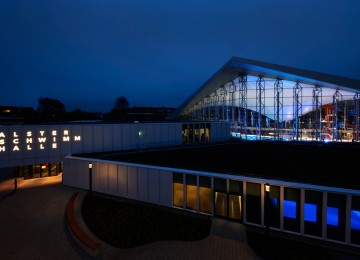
228 199
39 170
228 206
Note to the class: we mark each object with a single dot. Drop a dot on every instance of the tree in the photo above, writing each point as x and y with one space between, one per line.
121 103
120 109
51 109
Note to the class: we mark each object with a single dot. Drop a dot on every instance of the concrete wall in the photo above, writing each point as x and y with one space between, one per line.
133 182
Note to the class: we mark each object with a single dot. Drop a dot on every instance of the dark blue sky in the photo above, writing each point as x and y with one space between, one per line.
156 53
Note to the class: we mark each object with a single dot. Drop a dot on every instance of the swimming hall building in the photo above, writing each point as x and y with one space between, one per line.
189 162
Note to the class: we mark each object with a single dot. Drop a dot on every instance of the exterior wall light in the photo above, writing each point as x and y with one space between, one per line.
267 187
267 209
90 178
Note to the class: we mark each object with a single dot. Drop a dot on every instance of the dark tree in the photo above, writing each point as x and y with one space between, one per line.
51 109
121 103
120 109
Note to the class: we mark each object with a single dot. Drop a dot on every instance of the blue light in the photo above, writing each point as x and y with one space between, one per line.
332 216
355 219
289 209
310 212
274 202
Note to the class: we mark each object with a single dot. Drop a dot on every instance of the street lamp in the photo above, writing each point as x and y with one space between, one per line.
90 178
267 198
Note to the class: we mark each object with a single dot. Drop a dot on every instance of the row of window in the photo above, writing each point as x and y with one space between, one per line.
321 214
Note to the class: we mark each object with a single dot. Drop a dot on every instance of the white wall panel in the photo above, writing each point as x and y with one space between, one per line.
70 177
108 137
150 134
88 136
154 186
104 178
65 132
125 136
98 138
143 193
122 180
132 183
164 134
42 141
76 146
96 177
113 176
133 135
4 145
116 137
166 188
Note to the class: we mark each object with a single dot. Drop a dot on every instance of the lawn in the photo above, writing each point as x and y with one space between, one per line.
127 224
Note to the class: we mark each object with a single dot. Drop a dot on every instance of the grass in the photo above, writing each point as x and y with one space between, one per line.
127 224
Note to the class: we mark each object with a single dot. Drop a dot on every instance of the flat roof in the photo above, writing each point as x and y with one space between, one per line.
325 164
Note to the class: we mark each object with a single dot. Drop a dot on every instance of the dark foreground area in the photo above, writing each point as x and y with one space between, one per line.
127 224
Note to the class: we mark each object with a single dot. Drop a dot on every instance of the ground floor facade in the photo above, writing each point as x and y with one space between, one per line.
325 213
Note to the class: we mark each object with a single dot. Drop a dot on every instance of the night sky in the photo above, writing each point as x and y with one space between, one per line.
157 53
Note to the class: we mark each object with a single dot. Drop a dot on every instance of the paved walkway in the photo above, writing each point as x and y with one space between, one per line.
32 227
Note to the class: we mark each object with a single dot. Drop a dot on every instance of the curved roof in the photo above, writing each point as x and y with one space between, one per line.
239 66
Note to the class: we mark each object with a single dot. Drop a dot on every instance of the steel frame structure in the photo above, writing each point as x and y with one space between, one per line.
297 110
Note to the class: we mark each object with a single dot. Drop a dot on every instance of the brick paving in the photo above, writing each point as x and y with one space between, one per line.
32 227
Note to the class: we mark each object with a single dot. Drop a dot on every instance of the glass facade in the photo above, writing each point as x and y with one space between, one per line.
253 203
195 133
235 199
221 200
274 207
205 194
289 110
191 191
292 209
224 198
178 190
39 170
313 213
335 216
355 220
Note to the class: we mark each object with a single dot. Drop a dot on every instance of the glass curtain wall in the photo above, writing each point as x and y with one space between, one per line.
268 108
178 189
253 202
235 199
221 198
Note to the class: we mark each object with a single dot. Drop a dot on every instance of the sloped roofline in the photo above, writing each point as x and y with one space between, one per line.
236 67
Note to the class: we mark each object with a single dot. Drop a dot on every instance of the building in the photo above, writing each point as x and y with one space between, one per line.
268 101
247 99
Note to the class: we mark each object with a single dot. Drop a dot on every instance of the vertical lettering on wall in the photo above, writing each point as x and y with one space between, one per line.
54 135
15 142
2 142
66 137
42 140
29 140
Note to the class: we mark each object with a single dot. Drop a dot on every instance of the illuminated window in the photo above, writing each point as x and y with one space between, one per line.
332 218
310 212
205 194
355 219
191 191
289 209
178 192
